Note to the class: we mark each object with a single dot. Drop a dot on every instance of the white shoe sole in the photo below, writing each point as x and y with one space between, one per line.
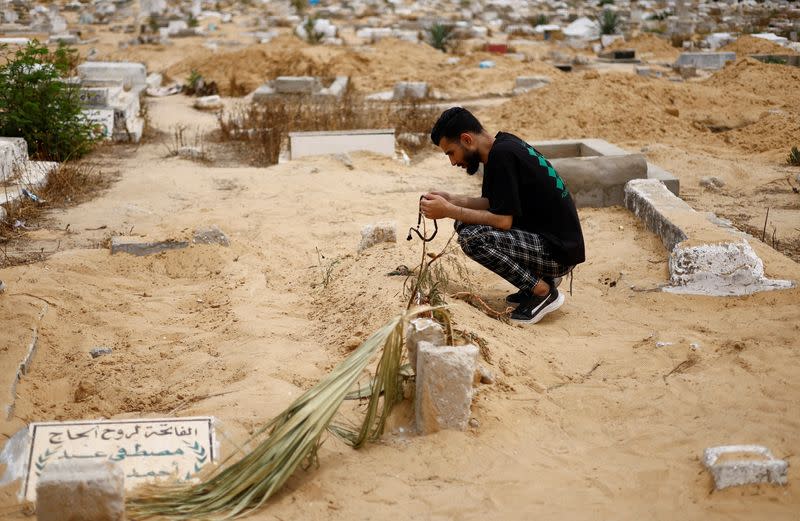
547 309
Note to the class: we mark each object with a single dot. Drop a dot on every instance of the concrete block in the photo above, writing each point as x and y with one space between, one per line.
213 102
705 60
600 181
734 465
373 234
379 141
210 235
81 490
296 85
422 330
444 386
263 93
135 246
410 90
705 259
130 74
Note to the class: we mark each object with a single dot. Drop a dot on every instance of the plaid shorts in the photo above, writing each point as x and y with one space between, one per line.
520 257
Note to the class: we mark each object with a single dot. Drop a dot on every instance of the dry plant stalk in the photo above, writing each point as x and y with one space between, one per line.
264 127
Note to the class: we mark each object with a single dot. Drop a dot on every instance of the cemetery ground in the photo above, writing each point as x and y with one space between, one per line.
600 411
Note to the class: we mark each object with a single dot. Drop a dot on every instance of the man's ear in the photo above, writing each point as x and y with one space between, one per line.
467 139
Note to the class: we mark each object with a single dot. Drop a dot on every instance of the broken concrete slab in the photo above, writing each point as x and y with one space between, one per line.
422 330
600 181
85 490
373 234
444 386
210 235
705 258
734 465
379 141
135 246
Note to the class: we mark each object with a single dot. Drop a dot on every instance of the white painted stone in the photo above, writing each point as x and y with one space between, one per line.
422 330
373 234
444 386
13 153
756 465
85 490
705 60
304 144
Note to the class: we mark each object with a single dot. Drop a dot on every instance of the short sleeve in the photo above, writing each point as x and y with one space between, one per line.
502 188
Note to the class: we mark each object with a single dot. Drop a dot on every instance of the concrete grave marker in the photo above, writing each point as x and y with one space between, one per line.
144 449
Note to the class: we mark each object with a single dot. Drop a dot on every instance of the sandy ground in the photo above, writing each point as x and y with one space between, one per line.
588 419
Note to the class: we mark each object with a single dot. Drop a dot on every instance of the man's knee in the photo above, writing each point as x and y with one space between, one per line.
472 239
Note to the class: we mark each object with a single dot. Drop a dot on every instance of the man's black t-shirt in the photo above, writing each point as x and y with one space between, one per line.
519 181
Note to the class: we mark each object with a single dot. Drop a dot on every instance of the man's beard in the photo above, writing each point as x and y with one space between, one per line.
473 160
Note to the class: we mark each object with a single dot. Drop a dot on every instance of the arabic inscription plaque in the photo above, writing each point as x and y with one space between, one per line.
146 449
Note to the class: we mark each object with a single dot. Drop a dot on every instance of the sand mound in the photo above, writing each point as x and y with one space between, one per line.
621 107
371 69
773 82
776 132
648 46
751 45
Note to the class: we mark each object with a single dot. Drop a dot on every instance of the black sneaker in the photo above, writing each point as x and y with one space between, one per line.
519 297
532 310
524 294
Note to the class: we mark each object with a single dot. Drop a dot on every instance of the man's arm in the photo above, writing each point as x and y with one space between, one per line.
464 201
435 206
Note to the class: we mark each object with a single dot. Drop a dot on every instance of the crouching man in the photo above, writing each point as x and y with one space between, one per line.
524 226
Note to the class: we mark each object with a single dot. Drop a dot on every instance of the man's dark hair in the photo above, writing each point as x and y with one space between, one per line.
453 122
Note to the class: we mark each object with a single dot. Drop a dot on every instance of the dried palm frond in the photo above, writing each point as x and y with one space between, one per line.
235 488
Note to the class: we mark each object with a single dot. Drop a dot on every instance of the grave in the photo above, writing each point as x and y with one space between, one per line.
304 144
300 86
619 56
86 490
18 173
110 92
705 258
784 59
704 60
596 171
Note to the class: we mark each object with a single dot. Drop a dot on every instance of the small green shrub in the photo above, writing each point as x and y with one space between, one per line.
312 35
609 22
37 104
794 157
540 19
440 36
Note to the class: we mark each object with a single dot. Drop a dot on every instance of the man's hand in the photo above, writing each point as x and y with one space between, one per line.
446 195
435 206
